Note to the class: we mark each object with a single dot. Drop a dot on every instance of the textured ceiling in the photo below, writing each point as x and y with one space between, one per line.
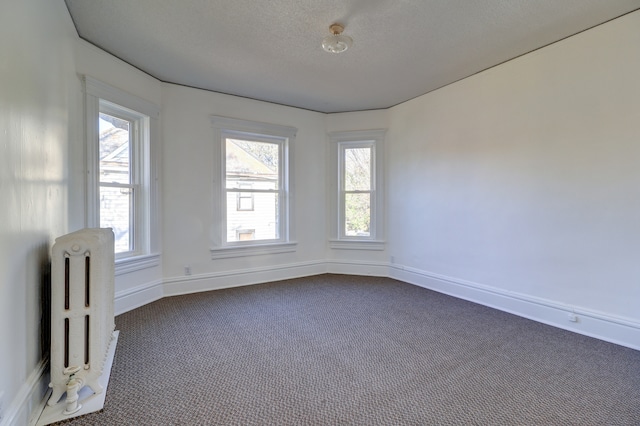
270 49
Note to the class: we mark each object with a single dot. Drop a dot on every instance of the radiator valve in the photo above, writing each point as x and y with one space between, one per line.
73 386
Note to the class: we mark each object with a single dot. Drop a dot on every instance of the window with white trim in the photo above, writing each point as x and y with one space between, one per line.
121 164
357 188
253 187
121 176
358 196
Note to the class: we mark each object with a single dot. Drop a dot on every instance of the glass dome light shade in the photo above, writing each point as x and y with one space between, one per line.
337 43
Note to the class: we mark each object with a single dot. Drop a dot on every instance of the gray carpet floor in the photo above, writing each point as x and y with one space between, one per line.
346 350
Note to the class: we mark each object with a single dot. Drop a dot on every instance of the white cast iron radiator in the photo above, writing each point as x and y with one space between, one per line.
82 318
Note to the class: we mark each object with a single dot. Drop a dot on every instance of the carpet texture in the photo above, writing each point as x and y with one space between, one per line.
337 350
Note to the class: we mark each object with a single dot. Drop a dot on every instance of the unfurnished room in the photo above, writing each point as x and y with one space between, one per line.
319 212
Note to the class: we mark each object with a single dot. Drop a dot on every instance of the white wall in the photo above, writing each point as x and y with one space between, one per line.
522 182
37 104
42 171
188 191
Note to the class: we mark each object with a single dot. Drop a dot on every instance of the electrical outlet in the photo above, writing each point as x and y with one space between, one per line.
187 270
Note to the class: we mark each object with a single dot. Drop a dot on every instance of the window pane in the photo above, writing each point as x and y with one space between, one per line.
261 223
357 214
115 212
115 158
253 164
357 169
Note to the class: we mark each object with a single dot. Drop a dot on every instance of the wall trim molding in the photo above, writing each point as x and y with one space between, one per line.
610 328
137 263
110 93
240 277
227 252
129 299
346 244
30 394
358 267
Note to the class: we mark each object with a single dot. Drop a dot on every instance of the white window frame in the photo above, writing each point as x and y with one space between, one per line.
284 136
339 143
102 97
139 124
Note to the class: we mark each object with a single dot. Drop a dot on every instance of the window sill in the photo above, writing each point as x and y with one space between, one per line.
357 244
136 263
253 250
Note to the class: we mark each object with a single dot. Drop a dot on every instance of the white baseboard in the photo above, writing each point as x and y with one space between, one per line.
26 403
605 327
376 269
141 295
602 326
219 280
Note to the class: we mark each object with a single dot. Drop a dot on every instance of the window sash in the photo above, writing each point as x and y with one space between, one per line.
132 192
138 124
280 192
343 147
353 186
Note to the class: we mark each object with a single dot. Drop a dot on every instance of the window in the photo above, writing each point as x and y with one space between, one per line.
252 168
254 187
120 183
356 188
358 199
121 164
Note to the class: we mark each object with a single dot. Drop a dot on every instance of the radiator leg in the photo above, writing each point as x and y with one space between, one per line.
56 393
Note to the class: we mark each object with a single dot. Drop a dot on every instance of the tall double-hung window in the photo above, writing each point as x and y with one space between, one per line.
253 188
121 175
357 188
358 196
121 168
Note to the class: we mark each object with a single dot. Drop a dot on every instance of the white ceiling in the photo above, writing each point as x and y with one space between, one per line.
271 49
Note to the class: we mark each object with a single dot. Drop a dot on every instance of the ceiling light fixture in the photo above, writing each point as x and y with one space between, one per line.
336 42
